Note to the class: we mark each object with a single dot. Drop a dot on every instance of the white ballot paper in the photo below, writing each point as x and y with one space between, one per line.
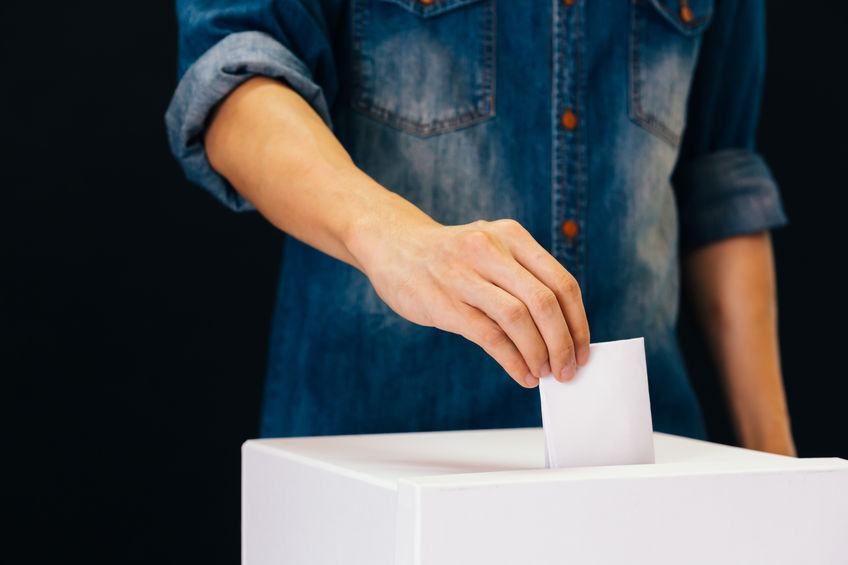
602 416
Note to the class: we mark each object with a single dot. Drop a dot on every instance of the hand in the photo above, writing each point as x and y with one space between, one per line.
490 282
487 281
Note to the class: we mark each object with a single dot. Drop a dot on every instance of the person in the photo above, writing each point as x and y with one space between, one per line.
471 185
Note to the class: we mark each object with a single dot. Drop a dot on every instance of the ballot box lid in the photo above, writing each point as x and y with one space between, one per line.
383 459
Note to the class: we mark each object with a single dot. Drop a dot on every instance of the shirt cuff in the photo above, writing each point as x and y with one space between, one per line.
723 194
230 62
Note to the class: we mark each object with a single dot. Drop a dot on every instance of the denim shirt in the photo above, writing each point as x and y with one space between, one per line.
618 132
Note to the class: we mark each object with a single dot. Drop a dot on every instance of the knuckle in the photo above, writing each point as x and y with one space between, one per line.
509 226
580 331
476 242
543 301
492 337
572 290
580 334
567 351
513 312
568 287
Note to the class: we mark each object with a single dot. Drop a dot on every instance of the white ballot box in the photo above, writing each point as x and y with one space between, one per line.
485 497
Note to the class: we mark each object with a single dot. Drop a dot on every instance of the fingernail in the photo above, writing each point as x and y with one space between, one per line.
545 370
583 355
568 373
531 381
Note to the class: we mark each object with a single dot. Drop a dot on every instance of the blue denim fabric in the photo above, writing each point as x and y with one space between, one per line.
457 106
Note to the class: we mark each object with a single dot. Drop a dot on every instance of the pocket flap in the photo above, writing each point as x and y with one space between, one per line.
425 9
690 17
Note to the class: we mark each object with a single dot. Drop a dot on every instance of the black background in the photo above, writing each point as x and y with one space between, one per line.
135 309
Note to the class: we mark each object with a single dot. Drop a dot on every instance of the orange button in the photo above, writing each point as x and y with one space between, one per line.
569 228
568 2
426 1
569 120
685 12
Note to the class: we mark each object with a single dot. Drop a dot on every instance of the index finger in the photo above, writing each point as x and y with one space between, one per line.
552 274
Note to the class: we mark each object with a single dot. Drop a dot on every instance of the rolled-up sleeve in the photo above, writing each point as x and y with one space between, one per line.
723 186
221 45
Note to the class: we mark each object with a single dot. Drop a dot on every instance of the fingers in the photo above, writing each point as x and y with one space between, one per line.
554 276
552 350
486 333
511 297
514 321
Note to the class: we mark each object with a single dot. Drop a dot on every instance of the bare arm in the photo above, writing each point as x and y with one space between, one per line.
732 287
488 281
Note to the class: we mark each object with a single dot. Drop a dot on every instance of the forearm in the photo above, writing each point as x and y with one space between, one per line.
732 288
488 281
278 153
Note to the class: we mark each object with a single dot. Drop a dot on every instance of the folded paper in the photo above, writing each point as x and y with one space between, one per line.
603 415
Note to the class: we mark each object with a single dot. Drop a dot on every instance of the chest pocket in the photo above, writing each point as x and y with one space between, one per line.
425 66
665 38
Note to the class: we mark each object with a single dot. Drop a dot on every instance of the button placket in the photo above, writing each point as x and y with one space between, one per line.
568 152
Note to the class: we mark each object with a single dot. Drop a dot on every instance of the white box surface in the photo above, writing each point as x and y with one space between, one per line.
485 497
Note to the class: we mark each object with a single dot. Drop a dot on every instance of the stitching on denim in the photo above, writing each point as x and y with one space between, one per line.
637 113
570 157
578 253
482 110
358 59
489 60
554 129
430 128
425 10
557 138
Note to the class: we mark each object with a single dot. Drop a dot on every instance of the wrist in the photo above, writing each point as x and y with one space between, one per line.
385 220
